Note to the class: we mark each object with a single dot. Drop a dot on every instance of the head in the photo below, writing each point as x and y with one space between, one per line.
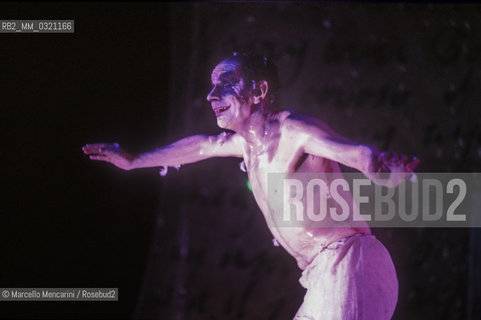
242 84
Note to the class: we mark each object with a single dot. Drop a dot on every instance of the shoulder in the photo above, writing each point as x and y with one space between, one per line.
224 144
228 137
295 121
300 125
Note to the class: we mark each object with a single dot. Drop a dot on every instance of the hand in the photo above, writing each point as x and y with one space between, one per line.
109 153
398 167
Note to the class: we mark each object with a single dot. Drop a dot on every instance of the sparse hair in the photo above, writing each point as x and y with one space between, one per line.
256 67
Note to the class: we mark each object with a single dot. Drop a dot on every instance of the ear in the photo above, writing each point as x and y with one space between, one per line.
260 92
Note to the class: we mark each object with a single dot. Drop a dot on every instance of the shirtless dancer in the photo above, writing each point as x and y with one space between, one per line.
347 272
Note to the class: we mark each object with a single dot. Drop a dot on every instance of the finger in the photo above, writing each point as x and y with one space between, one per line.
90 148
384 156
383 167
397 159
98 157
94 148
413 164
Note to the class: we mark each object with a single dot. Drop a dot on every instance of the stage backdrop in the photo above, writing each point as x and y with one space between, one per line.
193 244
400 77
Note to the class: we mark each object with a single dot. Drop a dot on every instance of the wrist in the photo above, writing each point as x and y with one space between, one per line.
369 159
132 162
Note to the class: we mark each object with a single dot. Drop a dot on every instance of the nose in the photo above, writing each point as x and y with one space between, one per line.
213 94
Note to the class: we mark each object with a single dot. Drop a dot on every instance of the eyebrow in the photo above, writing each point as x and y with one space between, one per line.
229 75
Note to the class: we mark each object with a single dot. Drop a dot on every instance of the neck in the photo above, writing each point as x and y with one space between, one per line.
254 128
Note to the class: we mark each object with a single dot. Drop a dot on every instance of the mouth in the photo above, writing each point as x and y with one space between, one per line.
219 110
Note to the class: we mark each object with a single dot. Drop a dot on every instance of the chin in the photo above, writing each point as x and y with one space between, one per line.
222 124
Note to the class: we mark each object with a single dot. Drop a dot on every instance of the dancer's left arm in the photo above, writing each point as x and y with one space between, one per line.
318 139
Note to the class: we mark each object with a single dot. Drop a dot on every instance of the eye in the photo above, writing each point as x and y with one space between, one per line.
226 85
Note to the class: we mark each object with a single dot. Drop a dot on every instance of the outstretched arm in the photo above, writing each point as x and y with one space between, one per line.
186 150
318 139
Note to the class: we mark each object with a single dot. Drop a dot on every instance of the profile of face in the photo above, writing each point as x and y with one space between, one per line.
231 97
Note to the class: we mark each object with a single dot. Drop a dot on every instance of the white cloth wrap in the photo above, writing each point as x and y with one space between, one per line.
352 278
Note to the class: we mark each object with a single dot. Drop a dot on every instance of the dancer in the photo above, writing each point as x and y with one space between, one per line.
347 272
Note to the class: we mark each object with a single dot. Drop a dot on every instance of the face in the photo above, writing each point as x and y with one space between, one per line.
231 98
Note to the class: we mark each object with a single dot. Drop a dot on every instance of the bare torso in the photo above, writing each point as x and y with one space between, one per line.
270 142
276 151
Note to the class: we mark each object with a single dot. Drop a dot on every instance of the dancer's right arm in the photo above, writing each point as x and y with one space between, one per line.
186 150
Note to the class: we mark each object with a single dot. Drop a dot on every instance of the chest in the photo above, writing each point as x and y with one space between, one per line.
276 156
271 156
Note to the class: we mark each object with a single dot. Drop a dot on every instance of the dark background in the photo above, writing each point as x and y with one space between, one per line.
193 245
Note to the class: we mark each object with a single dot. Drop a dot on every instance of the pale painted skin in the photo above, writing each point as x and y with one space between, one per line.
268 141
